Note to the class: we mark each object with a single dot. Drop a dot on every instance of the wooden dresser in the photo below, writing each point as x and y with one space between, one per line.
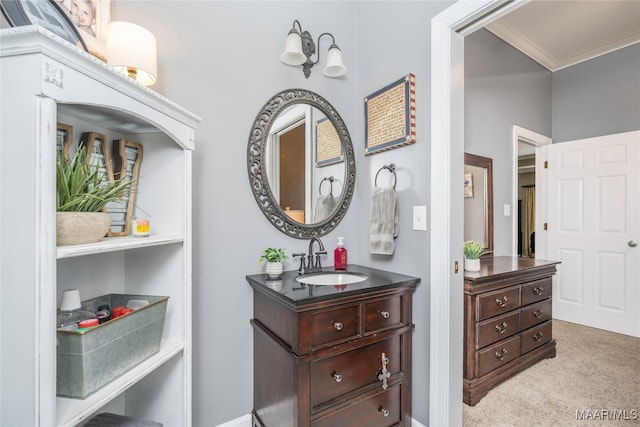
332 355
507 325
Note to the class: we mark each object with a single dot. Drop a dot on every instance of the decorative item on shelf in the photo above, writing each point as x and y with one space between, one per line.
90 18
64 139
131 49
127 156
273 258
81 196
299 48
472 253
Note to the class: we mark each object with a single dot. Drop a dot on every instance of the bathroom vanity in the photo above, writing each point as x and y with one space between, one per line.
507 324
332 355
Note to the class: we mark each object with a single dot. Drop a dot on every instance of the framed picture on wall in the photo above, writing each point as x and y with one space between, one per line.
90 18
468 185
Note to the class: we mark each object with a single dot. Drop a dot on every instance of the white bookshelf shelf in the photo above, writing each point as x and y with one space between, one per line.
112 244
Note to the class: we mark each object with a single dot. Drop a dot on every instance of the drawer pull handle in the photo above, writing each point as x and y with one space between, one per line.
538 290
502 302
338 326
538 336
385 412
384 374
538 313
385 314
337 377
501 328
501 353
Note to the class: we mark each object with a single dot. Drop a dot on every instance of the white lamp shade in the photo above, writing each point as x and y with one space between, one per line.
131 49
335 67
292 54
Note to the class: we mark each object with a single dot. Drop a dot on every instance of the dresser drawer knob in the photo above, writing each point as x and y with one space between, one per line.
501 328
501 353
338 326
538 290
384 374
337 377
502 302
385 412
538 336
385 314
538 313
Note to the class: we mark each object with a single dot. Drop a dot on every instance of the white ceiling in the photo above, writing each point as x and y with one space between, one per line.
559 33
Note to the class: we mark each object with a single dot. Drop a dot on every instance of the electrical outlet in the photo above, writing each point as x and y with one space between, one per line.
420 218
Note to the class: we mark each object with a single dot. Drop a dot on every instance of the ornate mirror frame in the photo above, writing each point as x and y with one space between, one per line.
256 165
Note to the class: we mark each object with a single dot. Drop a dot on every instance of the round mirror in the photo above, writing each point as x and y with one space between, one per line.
301 163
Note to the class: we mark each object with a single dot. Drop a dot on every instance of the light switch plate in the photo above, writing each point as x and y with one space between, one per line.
420 218
507 210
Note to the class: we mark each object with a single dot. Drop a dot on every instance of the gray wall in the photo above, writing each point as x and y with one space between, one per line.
597 97
220 59
503 88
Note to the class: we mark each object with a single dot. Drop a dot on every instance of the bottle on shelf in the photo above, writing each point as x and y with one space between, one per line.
340 255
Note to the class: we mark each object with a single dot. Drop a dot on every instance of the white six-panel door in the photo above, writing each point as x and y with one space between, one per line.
593 224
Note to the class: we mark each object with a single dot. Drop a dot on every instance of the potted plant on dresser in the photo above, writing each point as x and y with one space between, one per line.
273 258
81 197
472 253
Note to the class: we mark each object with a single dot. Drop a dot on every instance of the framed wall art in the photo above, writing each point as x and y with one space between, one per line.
90 18
390 116
468 185
328 146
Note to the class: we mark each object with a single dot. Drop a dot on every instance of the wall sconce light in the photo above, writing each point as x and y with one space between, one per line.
299 47
131 50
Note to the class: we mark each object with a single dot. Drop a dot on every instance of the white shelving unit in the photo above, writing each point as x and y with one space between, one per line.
44 80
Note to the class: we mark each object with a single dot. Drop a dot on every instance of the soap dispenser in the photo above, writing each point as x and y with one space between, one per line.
340 255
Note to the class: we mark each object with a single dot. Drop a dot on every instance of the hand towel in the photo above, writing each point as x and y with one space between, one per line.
325 206
383 221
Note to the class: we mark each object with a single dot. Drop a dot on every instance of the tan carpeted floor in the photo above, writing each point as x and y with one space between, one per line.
594 380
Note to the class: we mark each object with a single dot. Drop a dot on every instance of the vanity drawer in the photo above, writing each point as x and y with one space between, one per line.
333 326
345 372
536 313
383 314
381 410
536 291
498 302
498 355
497 328
535 337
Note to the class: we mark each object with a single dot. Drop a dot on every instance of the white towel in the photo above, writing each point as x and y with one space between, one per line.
383 221
325 206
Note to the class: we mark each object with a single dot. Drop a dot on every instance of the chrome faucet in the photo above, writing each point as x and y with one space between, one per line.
311 264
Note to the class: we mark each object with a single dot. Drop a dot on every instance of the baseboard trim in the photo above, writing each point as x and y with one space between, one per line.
245 421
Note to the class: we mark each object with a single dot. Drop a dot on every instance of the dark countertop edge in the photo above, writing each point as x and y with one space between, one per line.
377 281
535 265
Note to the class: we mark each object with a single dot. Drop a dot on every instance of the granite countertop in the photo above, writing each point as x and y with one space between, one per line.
294 293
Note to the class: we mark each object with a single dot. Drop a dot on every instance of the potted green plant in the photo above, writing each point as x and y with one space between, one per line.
81 196
273 258
472 252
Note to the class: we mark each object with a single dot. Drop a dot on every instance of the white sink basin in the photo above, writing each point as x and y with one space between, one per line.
331 278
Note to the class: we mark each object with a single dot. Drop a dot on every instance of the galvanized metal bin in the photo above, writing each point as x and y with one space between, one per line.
89 360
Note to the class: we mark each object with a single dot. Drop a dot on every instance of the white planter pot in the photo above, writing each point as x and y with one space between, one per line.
472 264
274 269
75 228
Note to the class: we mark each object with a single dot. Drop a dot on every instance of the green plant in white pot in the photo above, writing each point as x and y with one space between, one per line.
81 196
472 252
273 258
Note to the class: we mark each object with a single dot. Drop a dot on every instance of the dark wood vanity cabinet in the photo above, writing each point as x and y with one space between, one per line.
332 357
507 325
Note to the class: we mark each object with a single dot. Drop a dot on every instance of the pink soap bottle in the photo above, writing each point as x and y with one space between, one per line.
340 255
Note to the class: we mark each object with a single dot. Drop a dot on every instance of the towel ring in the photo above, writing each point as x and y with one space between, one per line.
330 179
391 168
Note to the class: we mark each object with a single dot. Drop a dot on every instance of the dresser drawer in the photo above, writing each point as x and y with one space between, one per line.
333 326
536 313
497 355
497 328
381 410
536 291
345 372
498 302
535 337
383 314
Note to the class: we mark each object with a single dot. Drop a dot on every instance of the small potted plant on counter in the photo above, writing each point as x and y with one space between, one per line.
472 253
273 258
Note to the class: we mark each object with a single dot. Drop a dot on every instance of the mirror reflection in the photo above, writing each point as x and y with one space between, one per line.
478 200
305 164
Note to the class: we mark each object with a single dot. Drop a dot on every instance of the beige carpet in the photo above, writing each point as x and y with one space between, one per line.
595 376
